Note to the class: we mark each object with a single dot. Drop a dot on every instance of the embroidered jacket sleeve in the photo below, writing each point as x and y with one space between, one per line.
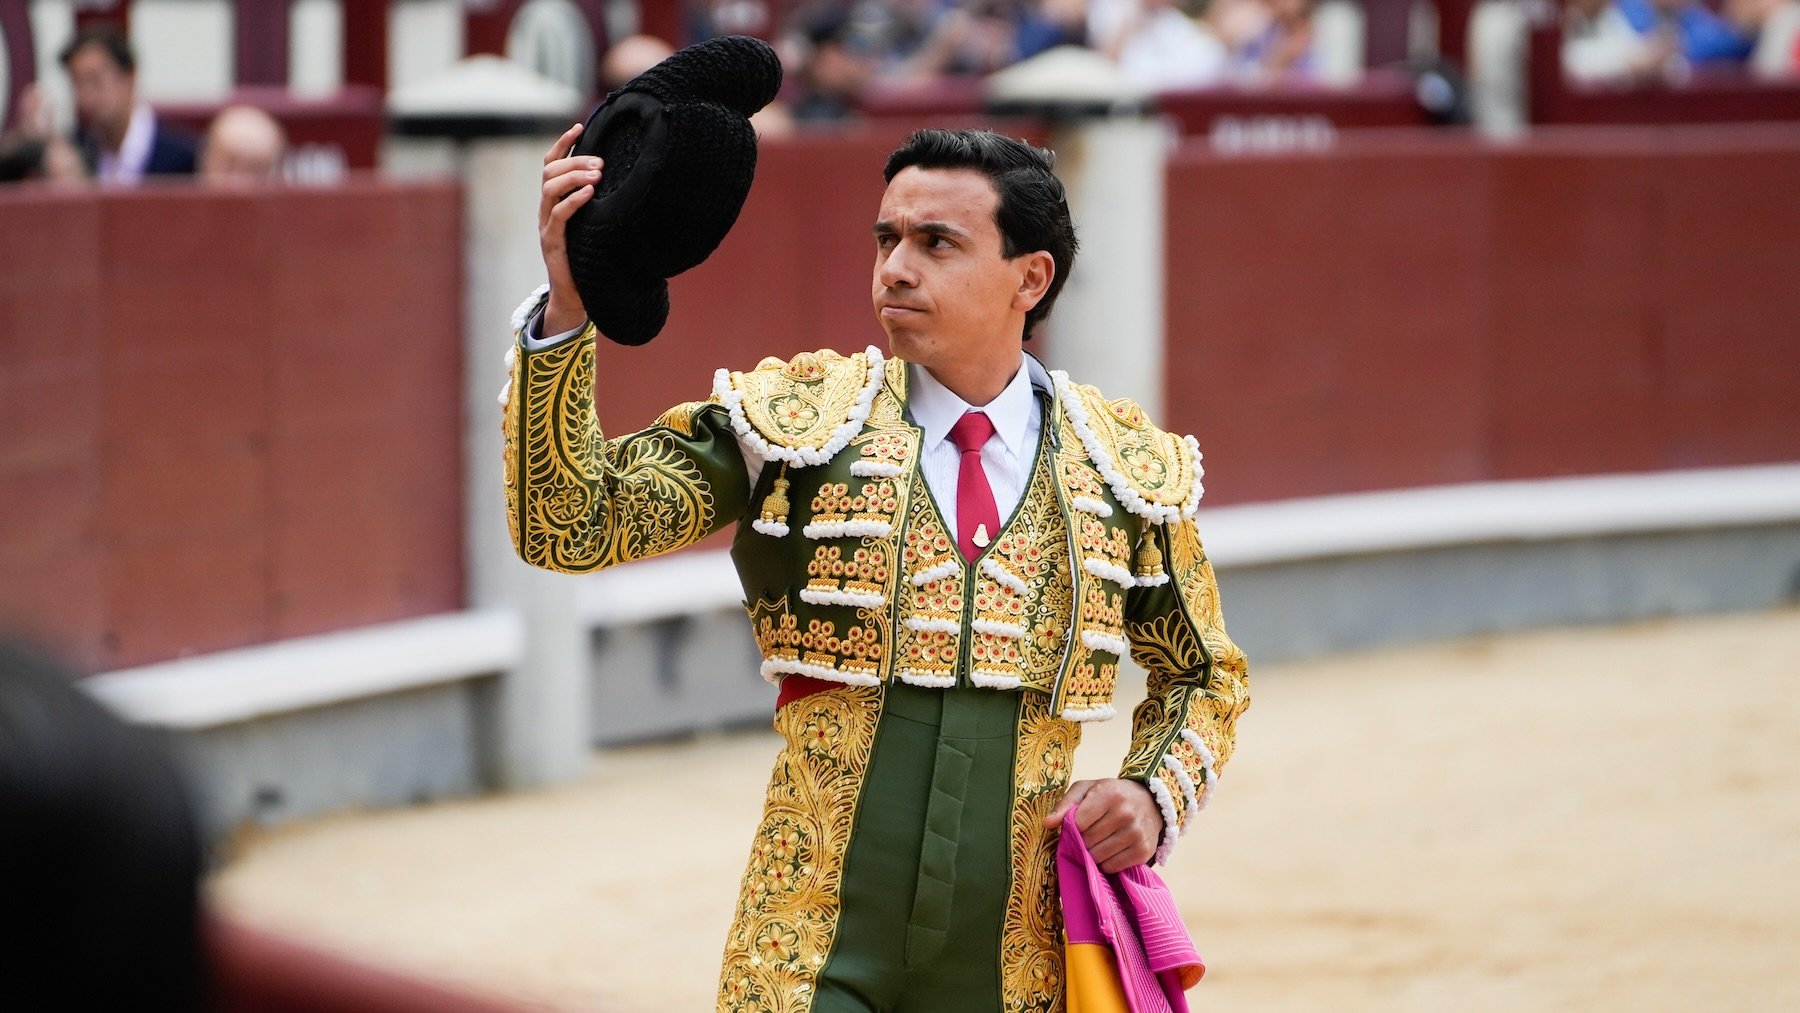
1183 734
577 501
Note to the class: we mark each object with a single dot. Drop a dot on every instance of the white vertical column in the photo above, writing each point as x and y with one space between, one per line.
537 714
1107 327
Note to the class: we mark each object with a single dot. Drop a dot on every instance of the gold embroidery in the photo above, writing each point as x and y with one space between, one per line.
681 417
1156 465
803 402
788 904
1031 966
580 501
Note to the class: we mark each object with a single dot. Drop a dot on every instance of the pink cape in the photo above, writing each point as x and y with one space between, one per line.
1132 914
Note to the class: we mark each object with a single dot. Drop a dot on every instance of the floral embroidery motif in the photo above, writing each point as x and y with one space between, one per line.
578 501
802 411
788 904
1031 964
1153 474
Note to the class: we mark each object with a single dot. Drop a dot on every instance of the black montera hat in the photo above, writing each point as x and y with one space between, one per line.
679 154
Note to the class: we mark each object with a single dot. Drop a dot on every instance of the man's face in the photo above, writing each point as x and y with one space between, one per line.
103 92
942 289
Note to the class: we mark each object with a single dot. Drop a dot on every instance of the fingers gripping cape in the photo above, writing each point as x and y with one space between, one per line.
679 157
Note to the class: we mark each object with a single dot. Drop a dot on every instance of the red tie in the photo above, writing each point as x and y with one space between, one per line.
975 509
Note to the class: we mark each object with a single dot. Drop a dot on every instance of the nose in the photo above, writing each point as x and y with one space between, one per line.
895 268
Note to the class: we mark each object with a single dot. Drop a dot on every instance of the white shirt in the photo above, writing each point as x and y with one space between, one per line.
1006 456
127 166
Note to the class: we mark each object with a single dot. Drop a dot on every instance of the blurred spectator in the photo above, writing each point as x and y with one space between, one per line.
50 158
1046 24
1156 44
119 137
978 37
630 57
243 145
1705 38
834 72
102 851
1775 25
1283 49
32 150
1601 47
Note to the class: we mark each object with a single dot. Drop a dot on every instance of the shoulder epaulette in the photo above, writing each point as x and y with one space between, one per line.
804 410
1154 474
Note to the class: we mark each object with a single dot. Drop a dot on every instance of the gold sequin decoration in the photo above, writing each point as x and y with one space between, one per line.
803 401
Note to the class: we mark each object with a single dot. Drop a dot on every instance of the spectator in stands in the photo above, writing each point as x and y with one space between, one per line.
979 37
834 72
1046 24
629 57
1706 38
1283 49
243 145
119 136
1156 44
31 149
1601 47
1775 25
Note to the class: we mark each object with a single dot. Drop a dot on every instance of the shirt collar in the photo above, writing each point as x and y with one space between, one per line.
935 407
134 148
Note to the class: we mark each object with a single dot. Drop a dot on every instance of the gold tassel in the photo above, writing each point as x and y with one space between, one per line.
775 504
1149 559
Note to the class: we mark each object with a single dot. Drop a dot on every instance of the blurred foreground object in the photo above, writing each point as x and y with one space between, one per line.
100 841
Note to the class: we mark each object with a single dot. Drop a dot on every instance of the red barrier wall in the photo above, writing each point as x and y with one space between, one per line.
227 418
1402 314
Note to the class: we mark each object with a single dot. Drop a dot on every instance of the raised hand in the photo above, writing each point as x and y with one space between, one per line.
569 183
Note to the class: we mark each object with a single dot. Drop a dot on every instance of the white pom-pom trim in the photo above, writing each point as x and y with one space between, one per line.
506 392
1001 576
1209 778
820 530
1157 580
929 681
837 596
1092 506
926 624
511 357
800 457
875 469
774 668
774 529
1128 497
523 313
1110 571
994 627
1190 795
1171 830
987 678
944 569
1094 640
1103 712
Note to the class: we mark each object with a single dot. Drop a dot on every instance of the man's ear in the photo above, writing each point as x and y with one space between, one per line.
1034 280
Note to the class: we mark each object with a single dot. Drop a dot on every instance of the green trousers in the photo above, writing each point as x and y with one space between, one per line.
928 871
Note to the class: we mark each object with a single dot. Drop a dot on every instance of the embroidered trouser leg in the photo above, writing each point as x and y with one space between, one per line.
928 873
944 897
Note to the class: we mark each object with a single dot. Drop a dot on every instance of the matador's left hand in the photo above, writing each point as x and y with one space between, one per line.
1118 820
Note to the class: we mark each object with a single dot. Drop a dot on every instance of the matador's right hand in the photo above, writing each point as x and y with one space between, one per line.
569 183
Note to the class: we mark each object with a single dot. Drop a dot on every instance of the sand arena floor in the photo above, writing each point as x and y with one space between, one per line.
1592 819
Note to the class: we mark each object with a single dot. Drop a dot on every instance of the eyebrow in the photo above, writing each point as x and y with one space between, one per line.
884 227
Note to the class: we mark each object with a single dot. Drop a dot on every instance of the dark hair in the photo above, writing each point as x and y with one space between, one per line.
109 39
1032 213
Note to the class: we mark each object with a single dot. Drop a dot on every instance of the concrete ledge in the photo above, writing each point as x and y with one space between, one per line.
241 685
1480 513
